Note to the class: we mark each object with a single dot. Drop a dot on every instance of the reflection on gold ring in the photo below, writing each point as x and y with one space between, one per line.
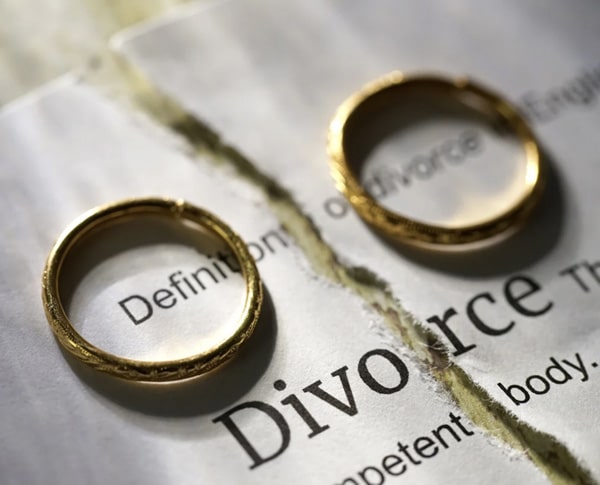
472 95
131 369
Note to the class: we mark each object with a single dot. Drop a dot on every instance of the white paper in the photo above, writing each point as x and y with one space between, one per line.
268 76
67 149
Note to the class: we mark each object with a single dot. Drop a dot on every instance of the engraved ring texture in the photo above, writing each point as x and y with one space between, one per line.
137 370
376 95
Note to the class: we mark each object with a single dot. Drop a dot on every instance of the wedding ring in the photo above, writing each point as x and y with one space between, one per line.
125 368
357 109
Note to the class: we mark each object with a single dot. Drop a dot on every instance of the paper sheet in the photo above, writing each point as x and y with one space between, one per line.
67 149
268 77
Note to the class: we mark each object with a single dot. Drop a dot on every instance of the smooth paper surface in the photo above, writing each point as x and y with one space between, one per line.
270 86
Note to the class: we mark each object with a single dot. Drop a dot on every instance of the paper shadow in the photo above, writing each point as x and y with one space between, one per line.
197 396
508 253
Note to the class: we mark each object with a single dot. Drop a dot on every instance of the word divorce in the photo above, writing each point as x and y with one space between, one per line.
386 180
182 287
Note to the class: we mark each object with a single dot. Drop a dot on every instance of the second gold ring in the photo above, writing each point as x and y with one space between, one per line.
358 108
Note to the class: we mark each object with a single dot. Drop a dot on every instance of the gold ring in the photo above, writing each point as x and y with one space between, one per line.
475 97
137 370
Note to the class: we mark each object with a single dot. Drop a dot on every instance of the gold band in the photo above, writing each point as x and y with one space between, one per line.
125 368
482 101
